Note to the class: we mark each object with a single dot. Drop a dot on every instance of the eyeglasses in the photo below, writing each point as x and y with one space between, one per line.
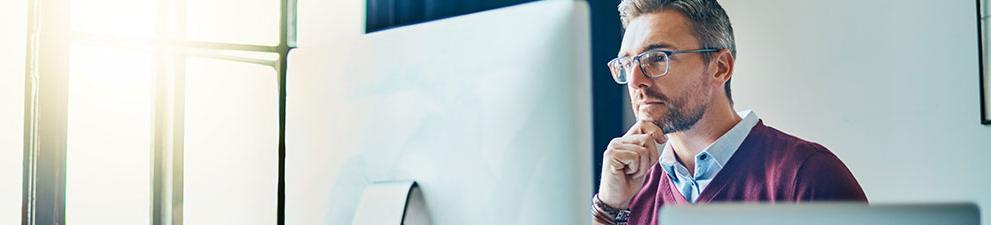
653 63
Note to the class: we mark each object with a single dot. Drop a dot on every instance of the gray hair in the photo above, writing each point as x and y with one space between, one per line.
709 21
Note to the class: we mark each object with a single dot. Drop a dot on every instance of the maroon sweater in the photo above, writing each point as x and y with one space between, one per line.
770 166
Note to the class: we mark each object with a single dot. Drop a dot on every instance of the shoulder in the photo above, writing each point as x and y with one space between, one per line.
818 173
823 176
786 147
791 155
806 155
820 160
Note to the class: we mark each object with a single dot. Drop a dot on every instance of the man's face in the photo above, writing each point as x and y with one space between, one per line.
676 101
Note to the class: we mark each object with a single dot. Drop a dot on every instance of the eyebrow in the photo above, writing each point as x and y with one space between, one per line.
649 47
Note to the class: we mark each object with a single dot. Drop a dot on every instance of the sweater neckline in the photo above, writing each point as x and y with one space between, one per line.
719 182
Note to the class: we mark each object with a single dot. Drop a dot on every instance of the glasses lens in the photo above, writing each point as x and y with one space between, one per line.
618 69
655 64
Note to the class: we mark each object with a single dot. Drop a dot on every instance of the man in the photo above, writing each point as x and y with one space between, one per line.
689 146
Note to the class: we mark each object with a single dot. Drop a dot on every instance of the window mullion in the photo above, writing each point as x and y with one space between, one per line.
46 114
167 197
287 41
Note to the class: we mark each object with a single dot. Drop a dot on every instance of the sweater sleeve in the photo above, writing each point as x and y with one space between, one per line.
823 177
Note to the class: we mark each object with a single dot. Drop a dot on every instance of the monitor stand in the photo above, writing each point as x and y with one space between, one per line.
391 202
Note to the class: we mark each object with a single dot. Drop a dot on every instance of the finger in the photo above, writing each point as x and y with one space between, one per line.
635 129
624 161
627 143
654 155
644 163
644 145
644 158
650 159
627 146
655 132
657 153
638 139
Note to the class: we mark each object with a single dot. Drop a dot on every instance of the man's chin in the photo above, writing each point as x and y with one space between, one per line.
651 117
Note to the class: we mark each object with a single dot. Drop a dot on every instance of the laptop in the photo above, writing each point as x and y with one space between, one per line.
822 214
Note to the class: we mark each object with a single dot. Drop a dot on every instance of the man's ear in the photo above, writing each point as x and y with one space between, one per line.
722 65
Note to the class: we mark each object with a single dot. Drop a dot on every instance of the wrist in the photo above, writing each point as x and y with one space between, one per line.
612 202
605 214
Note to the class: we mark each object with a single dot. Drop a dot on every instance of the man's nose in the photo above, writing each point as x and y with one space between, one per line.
638 80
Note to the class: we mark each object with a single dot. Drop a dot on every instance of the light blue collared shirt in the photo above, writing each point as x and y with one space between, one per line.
709 161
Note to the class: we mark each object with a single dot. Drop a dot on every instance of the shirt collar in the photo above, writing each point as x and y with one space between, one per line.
722 149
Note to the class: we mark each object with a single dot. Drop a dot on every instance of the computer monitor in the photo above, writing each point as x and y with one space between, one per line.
490 114
822 214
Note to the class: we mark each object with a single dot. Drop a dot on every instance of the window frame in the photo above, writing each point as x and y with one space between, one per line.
46 94
984 80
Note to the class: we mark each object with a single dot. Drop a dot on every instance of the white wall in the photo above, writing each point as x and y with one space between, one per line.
890 86
13 26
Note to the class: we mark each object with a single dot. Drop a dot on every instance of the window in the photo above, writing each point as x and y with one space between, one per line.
108 157
230 165
172 111
12 113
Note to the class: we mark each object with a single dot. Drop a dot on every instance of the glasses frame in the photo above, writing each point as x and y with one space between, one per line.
616 67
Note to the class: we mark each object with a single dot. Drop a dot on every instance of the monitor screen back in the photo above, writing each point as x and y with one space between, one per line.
490 113
822 214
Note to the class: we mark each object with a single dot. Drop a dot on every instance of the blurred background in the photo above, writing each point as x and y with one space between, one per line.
244 112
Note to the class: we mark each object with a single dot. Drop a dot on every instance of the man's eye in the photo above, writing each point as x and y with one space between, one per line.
656 58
